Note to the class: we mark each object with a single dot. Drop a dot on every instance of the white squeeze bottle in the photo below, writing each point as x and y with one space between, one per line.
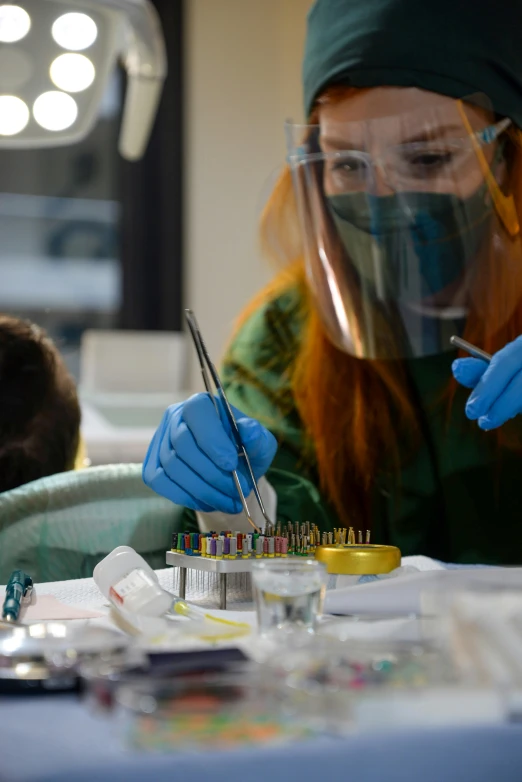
125 579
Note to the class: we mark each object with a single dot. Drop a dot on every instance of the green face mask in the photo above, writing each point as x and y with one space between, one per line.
410 246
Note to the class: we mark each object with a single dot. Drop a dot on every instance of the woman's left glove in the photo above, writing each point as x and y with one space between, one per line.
497 386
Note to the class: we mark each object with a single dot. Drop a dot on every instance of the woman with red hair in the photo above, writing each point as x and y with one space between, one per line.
396 225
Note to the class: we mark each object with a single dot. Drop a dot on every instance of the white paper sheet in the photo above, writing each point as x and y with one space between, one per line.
403 595
47 608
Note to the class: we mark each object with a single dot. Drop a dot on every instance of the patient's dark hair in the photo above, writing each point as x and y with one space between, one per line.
39 409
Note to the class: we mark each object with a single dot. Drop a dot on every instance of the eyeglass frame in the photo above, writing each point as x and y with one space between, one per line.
483 137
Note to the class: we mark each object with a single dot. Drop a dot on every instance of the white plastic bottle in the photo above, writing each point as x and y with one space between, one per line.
131 585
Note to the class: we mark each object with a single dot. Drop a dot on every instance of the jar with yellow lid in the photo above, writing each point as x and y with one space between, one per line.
349 564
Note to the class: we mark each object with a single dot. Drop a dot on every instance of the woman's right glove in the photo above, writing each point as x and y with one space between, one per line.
191 457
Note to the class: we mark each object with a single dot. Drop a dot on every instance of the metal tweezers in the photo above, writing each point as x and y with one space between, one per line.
207 367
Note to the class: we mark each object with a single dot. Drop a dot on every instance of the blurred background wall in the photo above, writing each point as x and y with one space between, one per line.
243 67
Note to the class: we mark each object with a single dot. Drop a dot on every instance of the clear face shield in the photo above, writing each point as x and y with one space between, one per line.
399 215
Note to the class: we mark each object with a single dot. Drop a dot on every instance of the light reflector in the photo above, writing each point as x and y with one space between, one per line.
15 23
55 111
75 31
72 72
14 115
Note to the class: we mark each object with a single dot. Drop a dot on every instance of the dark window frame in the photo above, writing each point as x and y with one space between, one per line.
152 202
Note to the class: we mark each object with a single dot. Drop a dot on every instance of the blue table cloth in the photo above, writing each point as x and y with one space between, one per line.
59 740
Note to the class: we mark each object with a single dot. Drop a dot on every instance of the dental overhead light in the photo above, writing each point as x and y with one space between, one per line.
56 57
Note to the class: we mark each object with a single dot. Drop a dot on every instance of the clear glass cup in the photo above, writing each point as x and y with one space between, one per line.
289 594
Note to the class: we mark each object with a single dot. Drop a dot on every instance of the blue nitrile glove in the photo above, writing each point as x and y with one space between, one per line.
497 394
191 457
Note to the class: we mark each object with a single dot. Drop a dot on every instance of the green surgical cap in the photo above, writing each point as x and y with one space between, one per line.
453 47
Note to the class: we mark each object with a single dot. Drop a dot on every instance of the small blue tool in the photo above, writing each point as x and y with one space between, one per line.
17 592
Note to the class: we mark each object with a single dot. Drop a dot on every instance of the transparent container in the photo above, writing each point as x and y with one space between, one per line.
289 594
205 713
334 690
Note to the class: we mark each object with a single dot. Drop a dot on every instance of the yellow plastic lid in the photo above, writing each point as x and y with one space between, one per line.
359 560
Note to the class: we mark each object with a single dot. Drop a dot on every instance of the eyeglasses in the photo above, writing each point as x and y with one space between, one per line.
434 164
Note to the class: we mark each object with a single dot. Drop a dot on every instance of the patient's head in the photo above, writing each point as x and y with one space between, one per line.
39 409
